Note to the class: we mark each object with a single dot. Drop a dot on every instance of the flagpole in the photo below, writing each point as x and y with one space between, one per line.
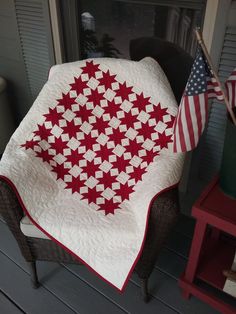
204 49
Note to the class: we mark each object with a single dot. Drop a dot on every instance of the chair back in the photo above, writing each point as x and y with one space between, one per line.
175 62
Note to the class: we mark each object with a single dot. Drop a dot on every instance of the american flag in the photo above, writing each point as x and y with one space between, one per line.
192 115
230 85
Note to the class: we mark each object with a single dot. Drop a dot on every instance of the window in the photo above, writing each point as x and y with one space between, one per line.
108 26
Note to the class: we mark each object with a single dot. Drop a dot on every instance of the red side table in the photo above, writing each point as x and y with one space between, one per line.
210 253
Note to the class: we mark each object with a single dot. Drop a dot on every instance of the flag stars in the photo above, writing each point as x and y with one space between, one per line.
198 79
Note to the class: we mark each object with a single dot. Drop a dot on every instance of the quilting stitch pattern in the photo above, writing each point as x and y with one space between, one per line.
101 136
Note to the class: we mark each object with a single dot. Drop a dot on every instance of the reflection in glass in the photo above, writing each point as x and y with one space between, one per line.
108 26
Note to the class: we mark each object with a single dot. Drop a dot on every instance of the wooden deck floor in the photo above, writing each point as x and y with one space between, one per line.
68 289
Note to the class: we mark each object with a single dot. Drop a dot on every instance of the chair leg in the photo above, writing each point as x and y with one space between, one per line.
33 275
144 290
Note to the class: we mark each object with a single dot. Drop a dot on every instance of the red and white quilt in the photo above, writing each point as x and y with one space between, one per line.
90 156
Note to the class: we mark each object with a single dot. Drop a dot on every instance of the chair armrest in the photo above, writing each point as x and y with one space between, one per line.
10 208
163 215
12 213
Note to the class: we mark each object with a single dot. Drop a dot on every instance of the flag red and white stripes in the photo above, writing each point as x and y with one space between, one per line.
192 116
230 85
214 90
190 122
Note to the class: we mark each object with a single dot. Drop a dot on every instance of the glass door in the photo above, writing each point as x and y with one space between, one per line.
109 26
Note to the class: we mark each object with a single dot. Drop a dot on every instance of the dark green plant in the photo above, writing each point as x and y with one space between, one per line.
91 44
106 46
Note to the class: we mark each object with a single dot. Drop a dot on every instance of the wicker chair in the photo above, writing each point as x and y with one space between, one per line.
162 217
164 212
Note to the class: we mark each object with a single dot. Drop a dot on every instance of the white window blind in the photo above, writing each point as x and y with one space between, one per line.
36 41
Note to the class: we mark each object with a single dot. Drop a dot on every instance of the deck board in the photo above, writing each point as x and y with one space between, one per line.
130 299
166 289
60 282
173 268
69 288
16 285
6 306
73 291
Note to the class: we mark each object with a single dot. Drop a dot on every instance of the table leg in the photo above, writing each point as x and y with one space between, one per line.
198 239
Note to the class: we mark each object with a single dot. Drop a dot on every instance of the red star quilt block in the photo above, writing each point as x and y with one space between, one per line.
101 136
